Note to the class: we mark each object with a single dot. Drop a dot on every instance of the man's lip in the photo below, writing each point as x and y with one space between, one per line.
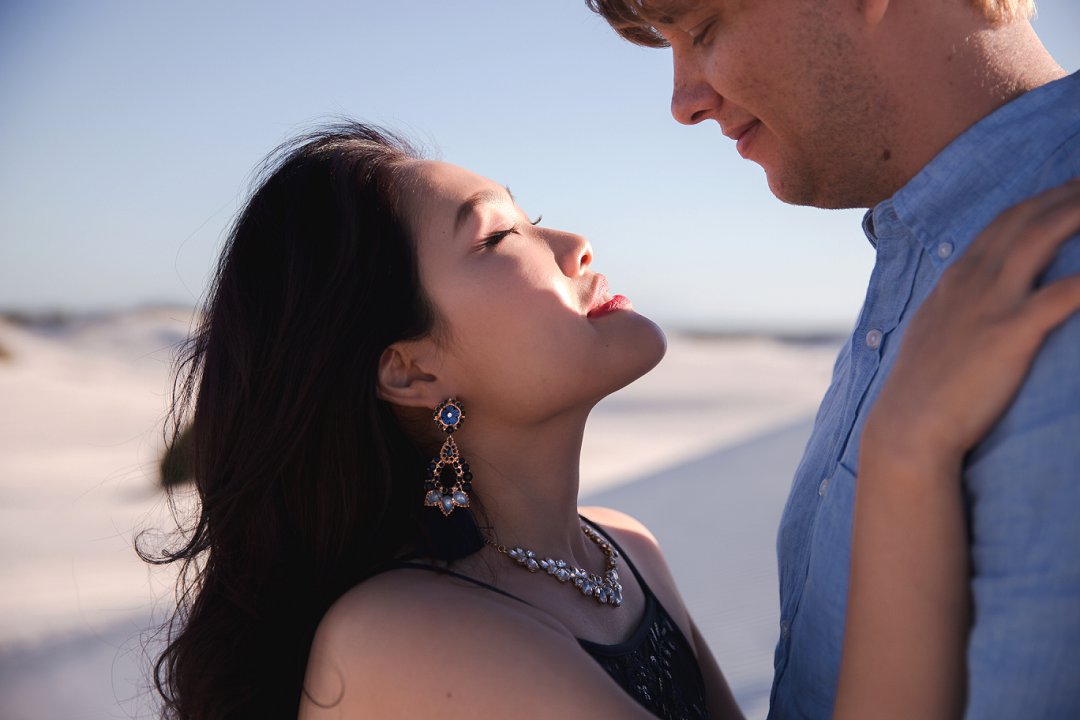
743 135
737 132
742 145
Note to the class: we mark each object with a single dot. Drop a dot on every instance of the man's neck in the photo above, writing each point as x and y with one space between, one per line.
957 77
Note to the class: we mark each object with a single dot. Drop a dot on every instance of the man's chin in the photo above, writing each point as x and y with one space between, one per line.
806 190
786 190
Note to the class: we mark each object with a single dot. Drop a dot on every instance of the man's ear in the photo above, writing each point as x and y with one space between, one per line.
406 379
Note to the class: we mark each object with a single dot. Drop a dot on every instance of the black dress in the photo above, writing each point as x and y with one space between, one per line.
656 665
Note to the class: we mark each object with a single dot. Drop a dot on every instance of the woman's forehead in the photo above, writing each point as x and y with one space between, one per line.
436 182
441 196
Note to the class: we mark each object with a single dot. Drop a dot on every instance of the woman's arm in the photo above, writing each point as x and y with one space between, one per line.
908 608
964 357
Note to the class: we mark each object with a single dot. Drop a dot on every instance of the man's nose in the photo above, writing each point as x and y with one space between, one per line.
693 98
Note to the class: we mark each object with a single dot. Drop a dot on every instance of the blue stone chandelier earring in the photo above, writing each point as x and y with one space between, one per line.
449 416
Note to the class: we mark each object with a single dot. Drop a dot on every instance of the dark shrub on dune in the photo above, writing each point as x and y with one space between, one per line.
175 465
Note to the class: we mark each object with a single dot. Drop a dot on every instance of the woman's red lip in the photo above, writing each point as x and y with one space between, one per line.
618 302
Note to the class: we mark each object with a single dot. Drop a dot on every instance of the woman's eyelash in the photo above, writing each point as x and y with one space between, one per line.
497 237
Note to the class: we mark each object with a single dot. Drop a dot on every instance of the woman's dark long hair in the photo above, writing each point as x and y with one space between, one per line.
307 484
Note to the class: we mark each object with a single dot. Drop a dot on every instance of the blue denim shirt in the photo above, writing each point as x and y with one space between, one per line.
1022 483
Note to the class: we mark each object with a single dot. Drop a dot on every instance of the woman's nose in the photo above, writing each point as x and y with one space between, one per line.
573 252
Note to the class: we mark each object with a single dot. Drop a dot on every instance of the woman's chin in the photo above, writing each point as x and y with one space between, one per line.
654 344
638 354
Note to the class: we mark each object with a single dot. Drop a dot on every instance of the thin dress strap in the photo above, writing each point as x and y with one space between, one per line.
622 553
459 576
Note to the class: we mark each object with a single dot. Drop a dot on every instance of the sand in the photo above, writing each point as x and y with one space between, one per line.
702 450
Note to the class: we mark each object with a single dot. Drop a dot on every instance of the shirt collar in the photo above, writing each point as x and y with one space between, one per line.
980 173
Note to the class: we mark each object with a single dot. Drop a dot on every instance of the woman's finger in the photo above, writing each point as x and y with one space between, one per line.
989 251
1052 305
1037 245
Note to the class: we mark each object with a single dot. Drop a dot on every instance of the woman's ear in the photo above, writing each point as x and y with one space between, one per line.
405 377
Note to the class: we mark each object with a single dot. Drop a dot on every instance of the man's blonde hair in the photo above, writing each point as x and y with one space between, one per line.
636 20
1001 11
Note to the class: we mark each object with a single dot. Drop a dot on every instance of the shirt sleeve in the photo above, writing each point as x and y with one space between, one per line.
1023 492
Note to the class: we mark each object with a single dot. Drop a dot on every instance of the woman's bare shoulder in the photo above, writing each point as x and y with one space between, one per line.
411 644
641 545
411 604
628 531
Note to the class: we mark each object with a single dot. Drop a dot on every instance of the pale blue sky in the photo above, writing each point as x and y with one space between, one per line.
129 130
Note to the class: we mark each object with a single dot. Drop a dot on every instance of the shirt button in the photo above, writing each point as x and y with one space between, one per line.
873 339
944 250
785 629
823 487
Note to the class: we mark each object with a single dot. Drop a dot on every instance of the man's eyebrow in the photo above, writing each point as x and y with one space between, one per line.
483 197
669 12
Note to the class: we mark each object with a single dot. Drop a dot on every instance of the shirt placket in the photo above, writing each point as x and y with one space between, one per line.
888 292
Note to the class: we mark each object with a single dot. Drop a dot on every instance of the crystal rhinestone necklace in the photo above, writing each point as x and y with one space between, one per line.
605 590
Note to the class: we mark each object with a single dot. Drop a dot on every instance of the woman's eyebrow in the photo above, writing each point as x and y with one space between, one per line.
483 197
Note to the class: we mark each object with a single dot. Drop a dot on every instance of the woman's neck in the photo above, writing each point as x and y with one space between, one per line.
526 480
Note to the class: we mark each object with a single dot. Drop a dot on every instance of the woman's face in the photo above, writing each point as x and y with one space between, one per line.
531 330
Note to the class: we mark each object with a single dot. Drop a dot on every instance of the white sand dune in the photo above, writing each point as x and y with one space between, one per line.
702 449
80 434
705 394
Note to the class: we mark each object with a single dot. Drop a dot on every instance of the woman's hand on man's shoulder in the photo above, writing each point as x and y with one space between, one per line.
407 644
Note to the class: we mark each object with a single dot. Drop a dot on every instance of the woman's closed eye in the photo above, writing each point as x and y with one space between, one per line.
497 237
